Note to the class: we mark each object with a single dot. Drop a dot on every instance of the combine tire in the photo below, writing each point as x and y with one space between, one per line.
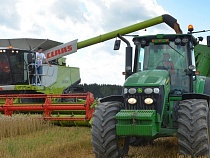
106 144
193 128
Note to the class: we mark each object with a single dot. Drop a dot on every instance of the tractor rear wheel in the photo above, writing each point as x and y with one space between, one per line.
193 127
105 142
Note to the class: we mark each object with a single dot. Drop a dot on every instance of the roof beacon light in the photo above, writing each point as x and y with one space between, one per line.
190 28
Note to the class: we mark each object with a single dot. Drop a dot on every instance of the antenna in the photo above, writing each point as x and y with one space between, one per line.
201 31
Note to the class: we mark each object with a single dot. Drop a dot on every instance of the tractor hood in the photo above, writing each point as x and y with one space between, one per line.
147 78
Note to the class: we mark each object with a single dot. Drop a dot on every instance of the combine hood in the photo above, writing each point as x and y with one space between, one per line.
147 78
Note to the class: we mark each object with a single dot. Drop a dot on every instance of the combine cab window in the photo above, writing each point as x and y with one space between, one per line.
170 57
14 67
5 71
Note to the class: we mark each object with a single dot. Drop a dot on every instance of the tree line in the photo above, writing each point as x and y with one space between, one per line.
102 90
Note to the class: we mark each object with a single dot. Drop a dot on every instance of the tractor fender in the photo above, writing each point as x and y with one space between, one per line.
196 96
118 98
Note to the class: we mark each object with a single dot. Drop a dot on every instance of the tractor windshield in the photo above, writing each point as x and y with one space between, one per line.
14 66
170 57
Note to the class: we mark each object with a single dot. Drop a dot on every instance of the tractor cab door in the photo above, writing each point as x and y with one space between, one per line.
170 57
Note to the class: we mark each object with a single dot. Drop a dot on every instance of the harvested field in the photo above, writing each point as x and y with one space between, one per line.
43 140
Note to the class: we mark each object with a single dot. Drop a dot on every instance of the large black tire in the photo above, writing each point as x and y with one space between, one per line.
106 144
193 127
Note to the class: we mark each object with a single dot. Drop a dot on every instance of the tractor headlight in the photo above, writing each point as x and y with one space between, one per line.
148 90
132 101
132 90
185 40
125 90
148 101
156 90
177 41
191 67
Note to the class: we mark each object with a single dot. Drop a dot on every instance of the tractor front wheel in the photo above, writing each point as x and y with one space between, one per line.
193 127
105 142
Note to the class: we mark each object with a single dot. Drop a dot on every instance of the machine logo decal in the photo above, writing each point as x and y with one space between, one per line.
61 50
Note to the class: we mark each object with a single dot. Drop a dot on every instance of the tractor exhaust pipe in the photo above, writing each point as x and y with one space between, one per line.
128 57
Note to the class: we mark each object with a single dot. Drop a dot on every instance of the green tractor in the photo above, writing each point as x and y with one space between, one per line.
163 96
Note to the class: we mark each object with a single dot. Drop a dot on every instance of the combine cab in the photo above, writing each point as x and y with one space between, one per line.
55 99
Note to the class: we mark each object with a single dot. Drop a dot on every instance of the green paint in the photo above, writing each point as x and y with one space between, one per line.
202 55
147 78
199 84
136 122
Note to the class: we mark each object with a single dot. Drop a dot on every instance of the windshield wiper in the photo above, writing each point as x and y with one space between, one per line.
175 50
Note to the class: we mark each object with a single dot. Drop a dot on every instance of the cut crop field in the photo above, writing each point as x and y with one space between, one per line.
69 142
23 137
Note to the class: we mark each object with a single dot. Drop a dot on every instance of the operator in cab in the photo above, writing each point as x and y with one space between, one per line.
167 63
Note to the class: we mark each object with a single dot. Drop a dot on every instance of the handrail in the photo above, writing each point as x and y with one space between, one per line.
46 74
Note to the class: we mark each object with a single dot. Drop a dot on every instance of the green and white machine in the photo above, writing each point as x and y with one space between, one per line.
17 66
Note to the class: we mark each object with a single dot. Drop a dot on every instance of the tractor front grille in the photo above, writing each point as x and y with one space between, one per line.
140 105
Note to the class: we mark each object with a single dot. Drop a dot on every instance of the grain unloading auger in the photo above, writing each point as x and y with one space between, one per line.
53 98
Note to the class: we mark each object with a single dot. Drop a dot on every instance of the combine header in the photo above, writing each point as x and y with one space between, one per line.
74 109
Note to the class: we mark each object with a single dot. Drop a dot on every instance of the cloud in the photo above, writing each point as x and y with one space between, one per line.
68 9
8 15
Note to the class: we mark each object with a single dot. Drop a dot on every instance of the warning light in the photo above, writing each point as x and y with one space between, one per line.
190 28
10 47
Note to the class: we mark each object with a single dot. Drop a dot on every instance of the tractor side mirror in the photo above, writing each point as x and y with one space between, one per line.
208 41
117 44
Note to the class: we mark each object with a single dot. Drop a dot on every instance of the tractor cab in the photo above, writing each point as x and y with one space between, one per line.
170 53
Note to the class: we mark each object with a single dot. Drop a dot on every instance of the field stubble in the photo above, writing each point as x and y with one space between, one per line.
25 137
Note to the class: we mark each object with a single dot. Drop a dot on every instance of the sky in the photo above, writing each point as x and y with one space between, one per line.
67 20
